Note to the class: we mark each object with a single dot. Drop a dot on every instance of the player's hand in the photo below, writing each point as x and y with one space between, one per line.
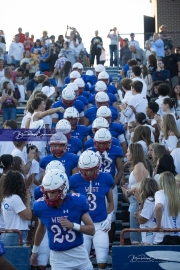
65 223
106 225
33 259
61 109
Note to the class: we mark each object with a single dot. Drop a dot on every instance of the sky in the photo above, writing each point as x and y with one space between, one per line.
85 16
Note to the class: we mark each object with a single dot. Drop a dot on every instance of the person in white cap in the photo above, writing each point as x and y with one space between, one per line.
100 86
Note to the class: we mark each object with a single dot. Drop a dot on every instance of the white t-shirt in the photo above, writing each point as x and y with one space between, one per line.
6 148
170 143
80 48
11 206
167 221
1 74
176 157
139 103
25 118
18 153
148 213
16 49
71 44
144 90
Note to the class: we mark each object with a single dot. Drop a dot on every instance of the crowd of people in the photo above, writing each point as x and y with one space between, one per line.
62 193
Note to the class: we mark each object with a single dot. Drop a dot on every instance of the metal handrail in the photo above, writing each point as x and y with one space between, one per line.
14 231
144 230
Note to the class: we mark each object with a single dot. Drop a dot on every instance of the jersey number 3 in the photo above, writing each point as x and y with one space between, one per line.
70 236
92 202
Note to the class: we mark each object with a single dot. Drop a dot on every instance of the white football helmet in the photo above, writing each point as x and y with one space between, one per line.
104 112
100 86
98 123
103 76
75 66
75 74
88 161
58 144
99 68
89 72
80 66
55 180
74 87
55 165
37 125
72 115
80 82
101 99
68 96
64 127
102 140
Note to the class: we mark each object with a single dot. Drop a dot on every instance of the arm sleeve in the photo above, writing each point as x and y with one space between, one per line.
148 209
159 197
18 204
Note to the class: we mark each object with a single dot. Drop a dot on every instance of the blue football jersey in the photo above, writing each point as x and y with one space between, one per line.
91 113
112 89
100 187
90 143
83 99
80 132
113 153
74 145
92 79
112 99
77 104
116 129
69 161
73 208
85 94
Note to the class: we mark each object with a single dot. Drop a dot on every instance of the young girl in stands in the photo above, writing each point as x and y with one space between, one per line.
167 106
158 151
170 132
165 163
135 156
9 105
146 214
142 135
175 94
142 121
167 209
16 209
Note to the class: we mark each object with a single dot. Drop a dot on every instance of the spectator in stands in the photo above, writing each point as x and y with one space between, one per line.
177 52
172 63
146 215
142 135
148 50
9 105
170 132
72 38
113 46
63 73
138 53
80 47
26 58
6 163
151 110
136 76
175 94
28 42
16 50
152 64
21 35
1 69
163 35
142 121
163 92
59 64
160 74
53 56
148 80
133 42
15 201
60 41
158 45
37 46
96 45
164 163
7 78
3 35
2 45
167 209
176 157
45 39
125 53
43 66
52 44
158 151
127 69
139 171
70 53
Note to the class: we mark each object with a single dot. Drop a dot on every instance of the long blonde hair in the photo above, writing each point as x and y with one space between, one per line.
169 125
147 188
167 183
137 155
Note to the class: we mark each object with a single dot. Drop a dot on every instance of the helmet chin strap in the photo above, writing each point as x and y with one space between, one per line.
104 155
